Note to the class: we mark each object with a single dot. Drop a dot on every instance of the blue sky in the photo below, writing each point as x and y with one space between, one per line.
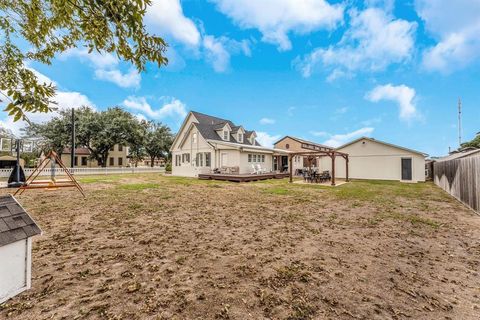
327 71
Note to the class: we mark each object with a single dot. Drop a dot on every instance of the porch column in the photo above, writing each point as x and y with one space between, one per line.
346 167
290 167
333 168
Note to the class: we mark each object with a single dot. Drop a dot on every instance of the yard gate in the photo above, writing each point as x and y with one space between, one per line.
460 178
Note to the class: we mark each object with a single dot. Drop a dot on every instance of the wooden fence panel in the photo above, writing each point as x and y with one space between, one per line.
460 178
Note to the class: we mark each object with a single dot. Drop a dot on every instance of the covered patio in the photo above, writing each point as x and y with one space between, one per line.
310 155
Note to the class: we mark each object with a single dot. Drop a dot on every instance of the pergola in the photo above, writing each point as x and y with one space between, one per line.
319 153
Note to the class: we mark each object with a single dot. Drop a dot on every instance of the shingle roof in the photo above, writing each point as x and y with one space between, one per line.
15 223
208 124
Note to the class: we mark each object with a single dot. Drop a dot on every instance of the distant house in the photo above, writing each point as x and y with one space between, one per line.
117 157
16 231
295 144
205 143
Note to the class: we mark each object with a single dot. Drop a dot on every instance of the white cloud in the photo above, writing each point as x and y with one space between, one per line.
341 110
64 100
374 40
337 140
219 50
319 133
267 121
266 139
106 67
172 108
275 19
404 96
131 79
99 60
456 26
166 18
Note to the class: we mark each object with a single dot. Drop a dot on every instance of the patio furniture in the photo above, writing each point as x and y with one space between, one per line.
260 169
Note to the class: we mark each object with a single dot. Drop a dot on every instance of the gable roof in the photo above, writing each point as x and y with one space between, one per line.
305 142
458 155
381 142
207 126
15 223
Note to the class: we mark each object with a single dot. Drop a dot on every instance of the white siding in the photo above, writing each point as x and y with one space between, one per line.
15 268
377 161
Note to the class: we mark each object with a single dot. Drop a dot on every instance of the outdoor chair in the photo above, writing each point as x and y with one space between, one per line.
255 170
260 169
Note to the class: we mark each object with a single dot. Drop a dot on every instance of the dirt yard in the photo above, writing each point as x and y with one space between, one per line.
154 247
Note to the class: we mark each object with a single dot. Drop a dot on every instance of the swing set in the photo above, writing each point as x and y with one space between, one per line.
53 184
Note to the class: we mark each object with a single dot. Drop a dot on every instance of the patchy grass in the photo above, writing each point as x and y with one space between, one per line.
151 246
138 186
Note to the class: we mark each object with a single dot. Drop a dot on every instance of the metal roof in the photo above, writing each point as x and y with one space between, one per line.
381 142
15 223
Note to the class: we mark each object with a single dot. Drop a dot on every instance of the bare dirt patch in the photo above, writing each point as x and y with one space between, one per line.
154 247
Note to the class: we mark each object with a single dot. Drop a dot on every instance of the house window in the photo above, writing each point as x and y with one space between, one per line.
177 160
207 159
240 137
254 158
287 146
194 138
249 157
263 158
120 147
84 161
112 148
199 159
75 161
225 135
186 157
111 161
120 160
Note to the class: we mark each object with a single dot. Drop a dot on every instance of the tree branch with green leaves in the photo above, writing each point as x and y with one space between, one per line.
49 27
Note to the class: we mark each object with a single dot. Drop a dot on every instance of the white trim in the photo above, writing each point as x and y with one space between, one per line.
381 142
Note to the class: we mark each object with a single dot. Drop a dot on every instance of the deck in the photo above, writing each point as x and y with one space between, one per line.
242 177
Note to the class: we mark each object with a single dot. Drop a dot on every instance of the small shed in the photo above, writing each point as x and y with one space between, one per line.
16 231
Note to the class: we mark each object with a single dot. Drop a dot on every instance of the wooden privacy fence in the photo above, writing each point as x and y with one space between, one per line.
460 178
87 171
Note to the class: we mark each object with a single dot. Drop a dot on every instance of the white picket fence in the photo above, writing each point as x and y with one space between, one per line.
87 171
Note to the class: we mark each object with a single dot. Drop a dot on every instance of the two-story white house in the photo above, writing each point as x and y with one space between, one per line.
205 143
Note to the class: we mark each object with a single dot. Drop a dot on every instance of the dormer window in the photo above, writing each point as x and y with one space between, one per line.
240 138
225 135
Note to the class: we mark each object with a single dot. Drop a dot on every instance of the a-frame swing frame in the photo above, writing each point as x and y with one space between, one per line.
51 158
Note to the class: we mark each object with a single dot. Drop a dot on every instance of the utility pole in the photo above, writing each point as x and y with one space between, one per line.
72 151
459 122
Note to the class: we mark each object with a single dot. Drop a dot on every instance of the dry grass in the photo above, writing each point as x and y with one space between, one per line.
155 247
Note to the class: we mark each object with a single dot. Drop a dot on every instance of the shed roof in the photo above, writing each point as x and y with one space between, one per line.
381 142
458 155
15 223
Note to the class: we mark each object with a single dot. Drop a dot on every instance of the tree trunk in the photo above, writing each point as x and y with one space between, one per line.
152 160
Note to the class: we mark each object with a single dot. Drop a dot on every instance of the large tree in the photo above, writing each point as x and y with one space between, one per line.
474 143
38 30
100 131
55 134
158 140
136 141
